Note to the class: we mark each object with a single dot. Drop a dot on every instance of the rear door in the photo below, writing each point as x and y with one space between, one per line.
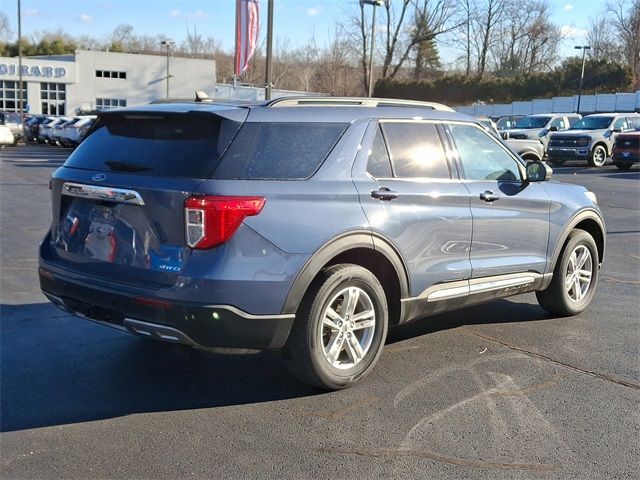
118 201
510 216
410 197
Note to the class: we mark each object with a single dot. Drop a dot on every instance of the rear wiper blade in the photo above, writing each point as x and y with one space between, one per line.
126 166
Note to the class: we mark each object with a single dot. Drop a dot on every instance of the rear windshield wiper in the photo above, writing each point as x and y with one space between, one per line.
126 166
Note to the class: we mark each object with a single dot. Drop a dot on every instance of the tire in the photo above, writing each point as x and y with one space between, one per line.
557 161
624 165
308 351
598 156
560 299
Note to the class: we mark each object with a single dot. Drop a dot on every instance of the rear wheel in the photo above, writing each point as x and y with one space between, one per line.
598 156
340 328
574 278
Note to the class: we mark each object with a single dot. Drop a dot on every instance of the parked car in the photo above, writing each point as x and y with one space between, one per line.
626 150
506 122
488 124
308 224
31 127
12 121
6 136
44 129
73 135
57 131
529 150
540 125
591 138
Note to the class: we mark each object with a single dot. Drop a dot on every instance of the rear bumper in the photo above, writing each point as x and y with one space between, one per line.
198 325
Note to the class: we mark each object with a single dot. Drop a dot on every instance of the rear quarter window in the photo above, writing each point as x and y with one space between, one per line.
279 151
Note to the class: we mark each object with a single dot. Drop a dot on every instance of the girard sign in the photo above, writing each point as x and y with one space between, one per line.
33 70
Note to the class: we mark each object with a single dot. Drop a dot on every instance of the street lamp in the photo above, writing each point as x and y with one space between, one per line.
374 4
20 84
584 49
168 44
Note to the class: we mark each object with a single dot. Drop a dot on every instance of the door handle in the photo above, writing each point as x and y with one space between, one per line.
489 196
384 193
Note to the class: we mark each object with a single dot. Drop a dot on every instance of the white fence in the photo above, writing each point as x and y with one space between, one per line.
609 102
225 91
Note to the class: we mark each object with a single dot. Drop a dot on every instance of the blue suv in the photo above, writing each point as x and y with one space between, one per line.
307 224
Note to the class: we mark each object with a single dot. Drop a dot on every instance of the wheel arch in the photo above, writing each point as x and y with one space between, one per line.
371 251
600 143
589 221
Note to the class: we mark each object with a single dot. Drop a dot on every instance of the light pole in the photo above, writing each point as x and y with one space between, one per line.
374 4
268 86
168 44
20 96
584 49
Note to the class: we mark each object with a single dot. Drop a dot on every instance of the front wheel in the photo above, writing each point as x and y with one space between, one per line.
598 156
340 328
574 278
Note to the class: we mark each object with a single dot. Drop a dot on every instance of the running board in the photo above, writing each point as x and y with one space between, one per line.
510 284
463 293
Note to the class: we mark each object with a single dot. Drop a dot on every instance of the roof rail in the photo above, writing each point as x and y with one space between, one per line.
354 102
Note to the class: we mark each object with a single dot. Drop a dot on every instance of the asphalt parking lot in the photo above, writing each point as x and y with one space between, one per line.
498 391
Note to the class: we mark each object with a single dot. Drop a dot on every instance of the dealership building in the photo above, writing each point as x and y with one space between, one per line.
90 80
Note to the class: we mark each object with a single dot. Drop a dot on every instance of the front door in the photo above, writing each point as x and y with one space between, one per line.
510 216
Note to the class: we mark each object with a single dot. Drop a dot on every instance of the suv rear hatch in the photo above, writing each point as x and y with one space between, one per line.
118 201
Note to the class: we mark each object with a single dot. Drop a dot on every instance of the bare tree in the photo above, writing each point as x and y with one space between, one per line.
486 22
528 40
6 33
601 38
626 15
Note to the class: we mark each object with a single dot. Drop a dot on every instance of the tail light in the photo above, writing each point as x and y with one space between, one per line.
212 220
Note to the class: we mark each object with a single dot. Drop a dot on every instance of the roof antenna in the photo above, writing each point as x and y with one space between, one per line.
202 96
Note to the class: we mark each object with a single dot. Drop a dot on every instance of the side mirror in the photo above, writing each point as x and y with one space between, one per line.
553 128
505 135
537 172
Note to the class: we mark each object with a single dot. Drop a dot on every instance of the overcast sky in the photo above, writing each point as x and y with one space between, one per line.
295 19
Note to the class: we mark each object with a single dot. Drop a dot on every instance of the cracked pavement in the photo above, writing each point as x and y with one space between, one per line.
500 391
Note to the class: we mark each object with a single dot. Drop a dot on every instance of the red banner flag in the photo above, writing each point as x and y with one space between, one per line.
247 23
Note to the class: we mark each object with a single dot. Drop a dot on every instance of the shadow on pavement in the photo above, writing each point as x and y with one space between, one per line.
57 369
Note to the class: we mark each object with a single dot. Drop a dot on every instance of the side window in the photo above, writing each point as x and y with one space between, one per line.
416 150
558 123
482 158
379 165
573 120
620 123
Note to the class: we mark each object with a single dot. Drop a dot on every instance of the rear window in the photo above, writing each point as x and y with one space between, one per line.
279 151
170 144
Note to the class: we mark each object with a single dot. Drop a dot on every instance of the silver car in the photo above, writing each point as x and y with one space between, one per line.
591 138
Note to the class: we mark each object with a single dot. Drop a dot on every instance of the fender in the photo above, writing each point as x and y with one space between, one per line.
336 246
588 214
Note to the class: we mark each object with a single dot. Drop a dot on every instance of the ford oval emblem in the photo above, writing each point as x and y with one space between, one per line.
98 177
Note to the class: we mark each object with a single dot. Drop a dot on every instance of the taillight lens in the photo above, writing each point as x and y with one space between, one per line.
212 220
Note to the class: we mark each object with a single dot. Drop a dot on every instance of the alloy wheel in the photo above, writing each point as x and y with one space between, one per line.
579 272
347 328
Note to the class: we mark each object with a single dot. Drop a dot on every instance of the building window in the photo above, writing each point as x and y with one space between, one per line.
110 74
53 97
107 103
9 94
